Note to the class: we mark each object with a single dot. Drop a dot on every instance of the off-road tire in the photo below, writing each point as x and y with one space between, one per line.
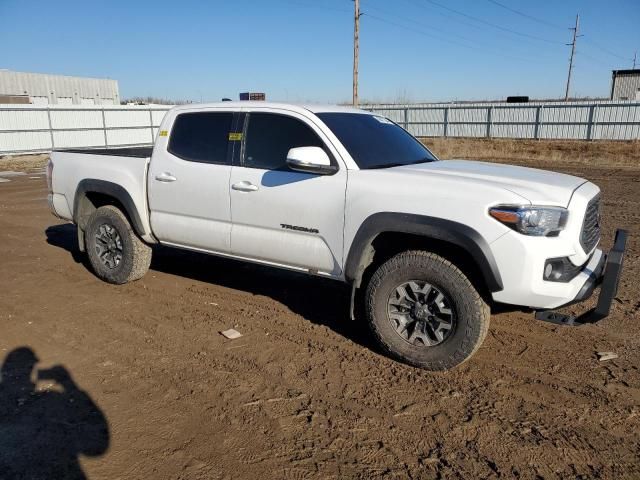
472 314
135 256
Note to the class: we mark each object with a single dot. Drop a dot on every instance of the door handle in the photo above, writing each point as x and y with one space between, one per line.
245 186
165 177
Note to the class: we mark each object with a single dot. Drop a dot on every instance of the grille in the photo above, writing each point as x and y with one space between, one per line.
591 226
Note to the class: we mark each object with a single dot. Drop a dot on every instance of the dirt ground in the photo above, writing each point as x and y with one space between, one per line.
146 387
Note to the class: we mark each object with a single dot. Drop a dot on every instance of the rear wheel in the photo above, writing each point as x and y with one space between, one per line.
117 255
425 312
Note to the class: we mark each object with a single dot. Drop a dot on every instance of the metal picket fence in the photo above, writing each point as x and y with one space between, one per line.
570 120
34 128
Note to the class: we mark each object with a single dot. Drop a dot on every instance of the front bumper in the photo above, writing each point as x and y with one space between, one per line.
607 276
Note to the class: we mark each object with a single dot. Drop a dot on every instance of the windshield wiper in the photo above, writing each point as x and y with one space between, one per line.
400 164
386 165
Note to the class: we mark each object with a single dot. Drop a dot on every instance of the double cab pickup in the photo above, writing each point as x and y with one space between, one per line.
427 246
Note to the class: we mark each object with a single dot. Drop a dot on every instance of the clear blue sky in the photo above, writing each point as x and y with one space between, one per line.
301 50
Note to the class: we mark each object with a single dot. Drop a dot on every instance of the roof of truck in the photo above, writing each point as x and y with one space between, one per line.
287 106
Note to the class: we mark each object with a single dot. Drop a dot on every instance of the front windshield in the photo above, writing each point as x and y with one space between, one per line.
376 142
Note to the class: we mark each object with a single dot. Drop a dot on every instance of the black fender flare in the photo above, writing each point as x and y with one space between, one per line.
463 236
118 192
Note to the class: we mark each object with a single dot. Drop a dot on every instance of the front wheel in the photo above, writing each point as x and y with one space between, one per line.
425 312
115 252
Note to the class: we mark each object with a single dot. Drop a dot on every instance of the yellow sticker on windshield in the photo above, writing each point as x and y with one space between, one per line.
235 136
163 133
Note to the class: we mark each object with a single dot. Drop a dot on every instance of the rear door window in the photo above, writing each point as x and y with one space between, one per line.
201 137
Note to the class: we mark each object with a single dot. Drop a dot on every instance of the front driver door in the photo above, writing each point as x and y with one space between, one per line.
280 216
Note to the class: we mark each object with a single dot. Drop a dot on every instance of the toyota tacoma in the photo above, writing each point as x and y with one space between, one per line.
426 245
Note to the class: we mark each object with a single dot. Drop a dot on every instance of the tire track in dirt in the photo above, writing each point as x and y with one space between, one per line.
302 394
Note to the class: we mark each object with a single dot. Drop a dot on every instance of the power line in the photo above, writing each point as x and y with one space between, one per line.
539 20
470 43
439 38
459 13
446 15
525 15
315 5
415 22
499 27
416 30
604 63
605 50
444 39
448 33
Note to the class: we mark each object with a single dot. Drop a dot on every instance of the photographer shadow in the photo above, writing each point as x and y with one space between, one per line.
43 432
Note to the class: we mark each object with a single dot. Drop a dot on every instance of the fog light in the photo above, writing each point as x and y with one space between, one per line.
548 269
560 270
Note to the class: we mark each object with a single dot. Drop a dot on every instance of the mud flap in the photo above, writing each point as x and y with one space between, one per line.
80 233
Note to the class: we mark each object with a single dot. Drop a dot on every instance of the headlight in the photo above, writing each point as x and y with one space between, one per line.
536 221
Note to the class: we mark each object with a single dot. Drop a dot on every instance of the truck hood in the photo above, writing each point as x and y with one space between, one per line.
540 187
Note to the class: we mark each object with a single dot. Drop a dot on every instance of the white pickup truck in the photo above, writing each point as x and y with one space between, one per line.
427 245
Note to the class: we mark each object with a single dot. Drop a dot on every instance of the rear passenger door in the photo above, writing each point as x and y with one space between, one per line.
281 216
188 181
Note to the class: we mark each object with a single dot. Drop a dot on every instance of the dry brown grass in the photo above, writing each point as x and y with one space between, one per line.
24 163
552 152
543 153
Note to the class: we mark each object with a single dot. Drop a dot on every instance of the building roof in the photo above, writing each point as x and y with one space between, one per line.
626 72
74 77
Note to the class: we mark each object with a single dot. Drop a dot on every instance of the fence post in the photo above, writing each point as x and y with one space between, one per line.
406 119
489 111
104 129
590 121
446 121
53 144
151 123
536 128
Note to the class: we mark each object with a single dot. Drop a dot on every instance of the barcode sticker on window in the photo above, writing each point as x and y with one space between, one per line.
235 136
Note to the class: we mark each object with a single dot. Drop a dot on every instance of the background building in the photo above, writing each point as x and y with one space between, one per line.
625 85
44 89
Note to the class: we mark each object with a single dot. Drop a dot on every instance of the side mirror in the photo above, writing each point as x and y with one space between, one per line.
310 160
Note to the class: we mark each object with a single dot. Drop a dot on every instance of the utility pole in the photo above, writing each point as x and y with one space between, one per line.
573 51
356 50
634 59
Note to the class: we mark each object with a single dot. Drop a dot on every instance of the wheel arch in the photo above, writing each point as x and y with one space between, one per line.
92 194
387 233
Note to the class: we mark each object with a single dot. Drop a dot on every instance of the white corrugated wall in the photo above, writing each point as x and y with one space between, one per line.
29 128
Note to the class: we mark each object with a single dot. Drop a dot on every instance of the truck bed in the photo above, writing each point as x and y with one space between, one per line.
122 171
139 152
